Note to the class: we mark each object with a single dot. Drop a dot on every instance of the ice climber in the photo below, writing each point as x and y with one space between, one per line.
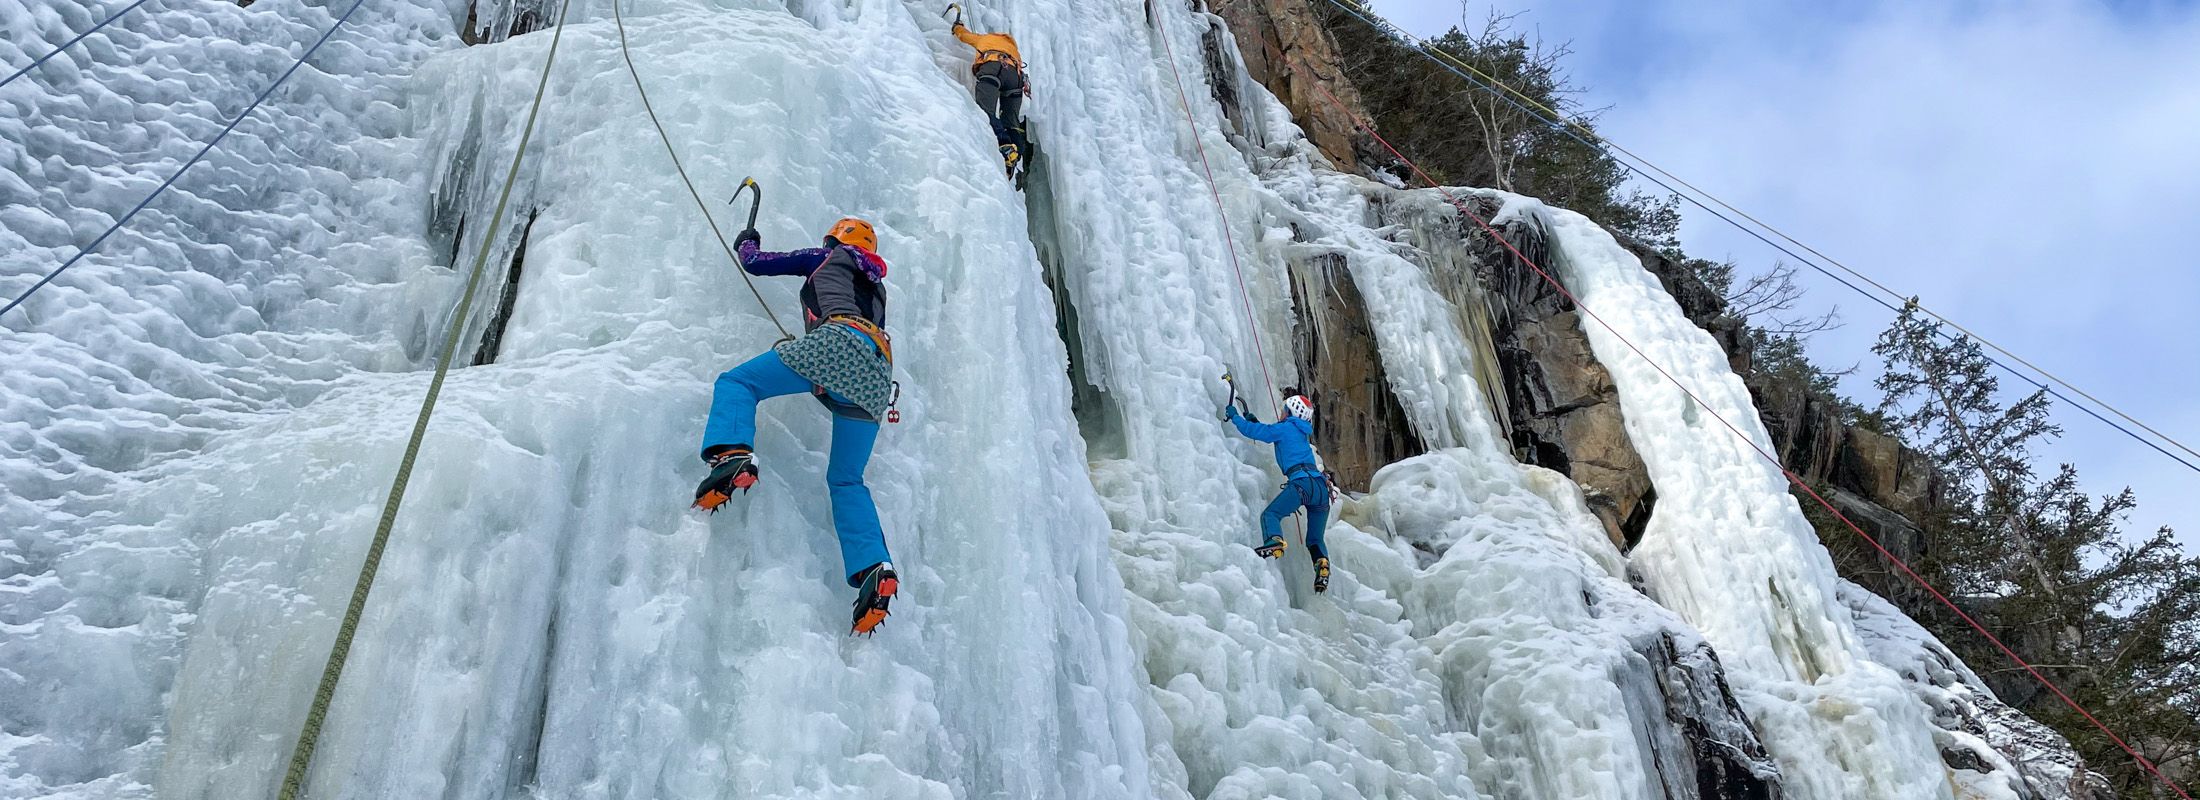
1304 483
1001 87
844 360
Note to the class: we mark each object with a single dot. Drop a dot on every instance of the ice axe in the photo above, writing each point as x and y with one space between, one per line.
955 7
1235 400
756 197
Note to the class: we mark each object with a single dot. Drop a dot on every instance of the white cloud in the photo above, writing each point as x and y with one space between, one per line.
2032 169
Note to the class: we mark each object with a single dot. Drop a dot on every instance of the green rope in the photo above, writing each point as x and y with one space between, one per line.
620 18
310 734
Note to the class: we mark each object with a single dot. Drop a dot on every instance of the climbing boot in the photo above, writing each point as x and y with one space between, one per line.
731 467
1272 549
1321 575
877 590
1010 154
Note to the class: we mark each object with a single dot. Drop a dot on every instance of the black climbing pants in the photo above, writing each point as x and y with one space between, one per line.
1000 95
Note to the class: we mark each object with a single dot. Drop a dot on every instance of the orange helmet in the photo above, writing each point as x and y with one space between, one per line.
850 230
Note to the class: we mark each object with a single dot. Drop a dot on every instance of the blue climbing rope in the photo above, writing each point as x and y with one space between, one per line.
125 219
65 45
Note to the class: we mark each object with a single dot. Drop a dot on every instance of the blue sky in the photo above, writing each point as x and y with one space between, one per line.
2030 167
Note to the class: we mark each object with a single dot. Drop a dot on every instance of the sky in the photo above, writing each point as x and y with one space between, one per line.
2030 168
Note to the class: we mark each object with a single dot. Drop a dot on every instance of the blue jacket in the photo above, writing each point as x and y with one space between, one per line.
1293 438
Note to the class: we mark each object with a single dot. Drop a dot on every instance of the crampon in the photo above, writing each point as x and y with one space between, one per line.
730 469
878 587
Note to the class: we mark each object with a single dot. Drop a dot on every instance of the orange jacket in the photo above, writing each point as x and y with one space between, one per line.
991 46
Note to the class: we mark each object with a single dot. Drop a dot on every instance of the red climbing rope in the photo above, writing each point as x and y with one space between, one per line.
1768 456
1227 238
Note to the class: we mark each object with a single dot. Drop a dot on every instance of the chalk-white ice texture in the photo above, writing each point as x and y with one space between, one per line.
197 426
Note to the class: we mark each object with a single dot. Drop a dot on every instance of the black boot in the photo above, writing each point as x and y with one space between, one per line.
731 467
877 587
1321 575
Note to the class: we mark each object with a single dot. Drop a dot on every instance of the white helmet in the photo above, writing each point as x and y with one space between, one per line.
1297 405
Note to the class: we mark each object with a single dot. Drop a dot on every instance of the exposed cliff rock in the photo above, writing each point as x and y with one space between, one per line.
1990 749
1362 426
1558 406
1714 752
1277 40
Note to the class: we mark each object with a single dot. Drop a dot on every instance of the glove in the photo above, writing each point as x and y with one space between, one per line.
1229 412
746 236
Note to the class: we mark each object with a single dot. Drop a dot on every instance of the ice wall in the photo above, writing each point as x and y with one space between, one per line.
1508 667
250 290
200 422
1727 546
549 617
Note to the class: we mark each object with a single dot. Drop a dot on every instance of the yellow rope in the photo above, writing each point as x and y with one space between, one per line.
310 734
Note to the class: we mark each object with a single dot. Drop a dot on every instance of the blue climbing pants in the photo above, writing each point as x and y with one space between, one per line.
733 421
1310 491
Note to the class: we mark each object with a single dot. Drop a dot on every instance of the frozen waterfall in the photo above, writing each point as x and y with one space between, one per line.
198 423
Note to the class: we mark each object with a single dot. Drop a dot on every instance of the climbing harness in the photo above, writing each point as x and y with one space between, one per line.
1589 137
619 17
325 692
66 45
871 331
1752 443
195 158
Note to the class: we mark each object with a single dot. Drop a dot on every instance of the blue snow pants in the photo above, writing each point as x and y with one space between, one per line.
733 421
1310 491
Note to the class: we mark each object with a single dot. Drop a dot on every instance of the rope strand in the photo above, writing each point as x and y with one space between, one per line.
1589 137
1228 238
324 694
195 158
619 17
1768 456
66 45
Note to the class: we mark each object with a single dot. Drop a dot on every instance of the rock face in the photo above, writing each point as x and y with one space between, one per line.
1558 405
1282 42
1714 753
1562 404
1559 409
1362 426
1990 749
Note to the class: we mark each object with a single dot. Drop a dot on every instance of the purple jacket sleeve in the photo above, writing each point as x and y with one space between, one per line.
759 261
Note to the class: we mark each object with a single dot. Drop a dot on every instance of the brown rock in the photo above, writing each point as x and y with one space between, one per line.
1362 427
1565 406
1282 43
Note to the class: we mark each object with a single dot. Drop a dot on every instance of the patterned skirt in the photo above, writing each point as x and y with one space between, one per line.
846 362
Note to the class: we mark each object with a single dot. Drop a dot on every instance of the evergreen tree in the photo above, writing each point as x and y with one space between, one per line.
2047 568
